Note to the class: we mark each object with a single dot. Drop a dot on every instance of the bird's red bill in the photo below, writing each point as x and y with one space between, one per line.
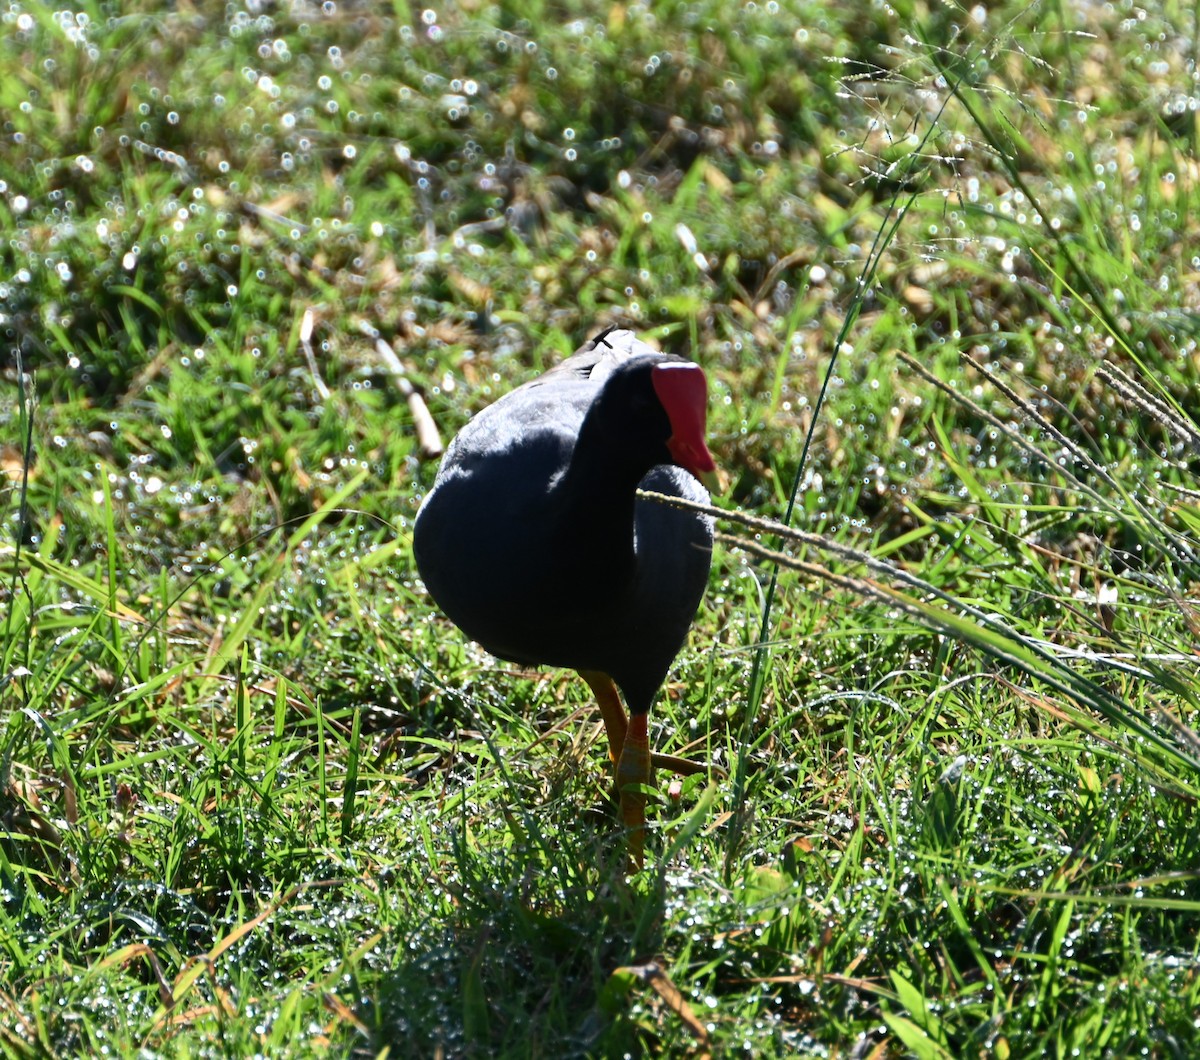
683 391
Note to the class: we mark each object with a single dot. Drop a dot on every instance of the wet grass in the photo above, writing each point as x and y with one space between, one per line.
257 796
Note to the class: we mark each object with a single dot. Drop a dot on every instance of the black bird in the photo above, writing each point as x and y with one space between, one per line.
534 542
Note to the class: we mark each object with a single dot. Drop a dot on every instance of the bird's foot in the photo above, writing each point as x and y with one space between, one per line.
685 767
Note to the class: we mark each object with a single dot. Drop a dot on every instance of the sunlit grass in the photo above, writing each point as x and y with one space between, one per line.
257 796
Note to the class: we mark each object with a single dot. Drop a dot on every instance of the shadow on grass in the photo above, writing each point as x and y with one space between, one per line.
526 961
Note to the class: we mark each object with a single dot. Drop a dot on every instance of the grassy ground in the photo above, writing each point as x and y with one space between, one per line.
257 796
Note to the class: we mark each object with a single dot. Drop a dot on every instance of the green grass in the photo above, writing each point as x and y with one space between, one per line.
258 797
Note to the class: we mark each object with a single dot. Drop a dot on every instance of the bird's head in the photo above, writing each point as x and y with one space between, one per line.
651 409
682 391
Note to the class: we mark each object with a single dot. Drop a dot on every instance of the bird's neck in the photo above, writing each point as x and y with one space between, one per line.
598 498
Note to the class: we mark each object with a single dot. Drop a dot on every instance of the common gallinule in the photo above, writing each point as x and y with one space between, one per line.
534 542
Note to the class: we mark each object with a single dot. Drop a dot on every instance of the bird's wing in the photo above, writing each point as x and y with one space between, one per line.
596 359
541 418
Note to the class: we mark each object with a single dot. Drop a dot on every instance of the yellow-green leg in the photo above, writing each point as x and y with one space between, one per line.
629 751
633 775
609 701
615 724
